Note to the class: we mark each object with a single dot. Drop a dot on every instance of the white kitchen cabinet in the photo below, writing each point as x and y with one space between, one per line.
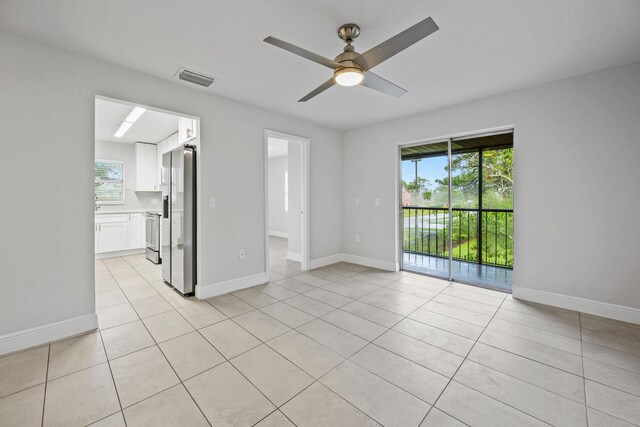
136 231
112 236
187 129
146 168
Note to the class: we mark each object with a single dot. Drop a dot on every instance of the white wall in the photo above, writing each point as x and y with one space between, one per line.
577 181
278 218
294 157
49 119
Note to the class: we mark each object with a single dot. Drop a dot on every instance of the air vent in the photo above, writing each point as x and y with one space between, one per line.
194 77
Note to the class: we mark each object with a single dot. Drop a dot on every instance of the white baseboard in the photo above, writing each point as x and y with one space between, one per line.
597 308
279 234
46 333
220 288
354 259
120 253
294 256
370 262
322 262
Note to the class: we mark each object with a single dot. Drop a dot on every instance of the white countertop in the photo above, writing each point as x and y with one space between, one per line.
124 211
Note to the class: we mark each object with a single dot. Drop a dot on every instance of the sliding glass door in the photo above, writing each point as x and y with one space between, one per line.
457 210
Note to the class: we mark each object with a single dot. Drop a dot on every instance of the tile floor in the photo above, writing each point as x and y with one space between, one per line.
338 346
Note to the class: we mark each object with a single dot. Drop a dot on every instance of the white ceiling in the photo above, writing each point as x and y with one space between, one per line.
482 48
277 147
152 126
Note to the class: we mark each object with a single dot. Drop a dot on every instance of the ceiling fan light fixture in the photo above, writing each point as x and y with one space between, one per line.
349 76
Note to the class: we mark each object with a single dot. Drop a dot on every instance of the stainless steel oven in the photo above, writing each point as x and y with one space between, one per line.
152 234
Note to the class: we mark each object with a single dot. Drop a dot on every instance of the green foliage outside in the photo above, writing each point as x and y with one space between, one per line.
496 232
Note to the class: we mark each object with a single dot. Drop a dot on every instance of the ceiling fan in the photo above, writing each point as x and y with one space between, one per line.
351 68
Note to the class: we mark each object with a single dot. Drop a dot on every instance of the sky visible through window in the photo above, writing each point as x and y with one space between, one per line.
431 168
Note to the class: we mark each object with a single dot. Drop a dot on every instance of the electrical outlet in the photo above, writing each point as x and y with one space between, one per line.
357 202
212 202
154 201
376 202
357 238
241 254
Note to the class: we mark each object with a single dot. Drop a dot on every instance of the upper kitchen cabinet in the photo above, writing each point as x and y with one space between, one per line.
146 167
187 129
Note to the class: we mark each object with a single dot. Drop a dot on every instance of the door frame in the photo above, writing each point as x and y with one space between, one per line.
305 143
399 223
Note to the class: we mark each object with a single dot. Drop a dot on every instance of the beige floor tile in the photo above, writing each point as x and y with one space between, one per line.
150 306
388 304
275 419
116 315
110 298
229 338
260 325
465 304
382 401
613 402
294 285
313 358
309 305
549 339
549 378
114 420
255 298
550 356
276 377
373 314
542 323
470 293
465 329
137 292
459 313
286 314
535 401
354 324
201 314
312 280
614 341
612 376
276 291
227 398
329 298
403 297
106 286
125 339
438 337
409 376
431 357
172 407
178 301
230 305
19 371
142 374
317 406
336 339
75 354
130 280
167 325
553 313
600 419
611 356
80 398
477 409
437 418
358 284
345 290
373 279
190 355
24 408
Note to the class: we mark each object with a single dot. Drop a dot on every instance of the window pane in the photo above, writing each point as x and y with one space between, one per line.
108 171
464 180
109 191
497 179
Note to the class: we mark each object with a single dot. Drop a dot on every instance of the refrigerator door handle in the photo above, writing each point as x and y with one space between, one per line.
165 207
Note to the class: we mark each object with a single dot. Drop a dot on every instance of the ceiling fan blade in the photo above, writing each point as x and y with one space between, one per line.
302 52
324 86
397 43
375 82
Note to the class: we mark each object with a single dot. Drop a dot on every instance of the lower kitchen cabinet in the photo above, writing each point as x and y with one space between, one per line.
119 232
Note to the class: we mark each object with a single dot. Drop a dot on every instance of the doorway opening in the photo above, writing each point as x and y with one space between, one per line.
457 209
286 201
143 221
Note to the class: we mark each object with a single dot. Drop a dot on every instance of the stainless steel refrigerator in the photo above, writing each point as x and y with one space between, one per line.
178 238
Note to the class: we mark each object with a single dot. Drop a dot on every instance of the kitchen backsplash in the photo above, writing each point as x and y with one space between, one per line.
141 200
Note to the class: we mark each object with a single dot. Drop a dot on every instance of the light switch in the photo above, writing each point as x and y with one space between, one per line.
212 202
154 201
376 202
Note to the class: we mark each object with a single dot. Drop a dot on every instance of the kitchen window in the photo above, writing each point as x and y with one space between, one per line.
109 181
